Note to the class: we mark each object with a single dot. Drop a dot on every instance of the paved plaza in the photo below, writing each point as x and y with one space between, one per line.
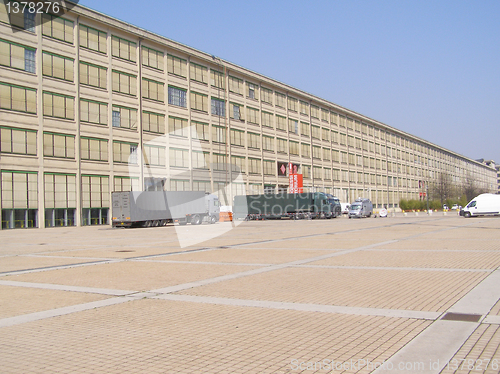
405 294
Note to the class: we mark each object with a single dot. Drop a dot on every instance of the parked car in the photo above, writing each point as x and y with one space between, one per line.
361 208
455 207
345 207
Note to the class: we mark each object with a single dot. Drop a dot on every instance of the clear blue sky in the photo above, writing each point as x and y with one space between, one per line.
430 68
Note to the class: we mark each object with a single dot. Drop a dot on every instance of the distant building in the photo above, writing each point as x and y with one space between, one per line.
90 104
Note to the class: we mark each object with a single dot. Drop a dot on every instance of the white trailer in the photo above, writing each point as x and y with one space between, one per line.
482 205
157 208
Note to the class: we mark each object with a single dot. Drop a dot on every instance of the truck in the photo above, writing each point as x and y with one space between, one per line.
284 205
158 208
361 208
484 204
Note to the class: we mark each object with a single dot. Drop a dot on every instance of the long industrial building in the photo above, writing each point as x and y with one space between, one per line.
90 105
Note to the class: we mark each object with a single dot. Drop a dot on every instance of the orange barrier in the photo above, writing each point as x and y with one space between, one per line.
225 216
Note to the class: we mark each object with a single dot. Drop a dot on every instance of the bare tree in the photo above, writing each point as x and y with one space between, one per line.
470 188
442 188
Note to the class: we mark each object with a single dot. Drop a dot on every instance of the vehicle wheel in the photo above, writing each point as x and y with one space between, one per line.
195 220
369 215
213 219
467 214
349 217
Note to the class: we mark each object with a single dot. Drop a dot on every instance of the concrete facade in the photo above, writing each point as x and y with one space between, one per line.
90 105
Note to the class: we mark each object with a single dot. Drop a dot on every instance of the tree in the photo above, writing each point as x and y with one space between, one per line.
470 188
442 188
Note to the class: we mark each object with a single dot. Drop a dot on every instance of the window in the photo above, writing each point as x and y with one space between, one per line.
269 168
199 102
93 75
335 155
19 17
238 164
95 199
179 185
58 106
254 166
176 66
198 73
306 150
253 140
93 112
17 98
327 174
316 132
202 186
124 83
219 161
326 154
252 91
294 148
60 199
304 108
19 199
58 145
292 104
317 172
17 141
153 122
152 58
93 39
280 123
325 115
267 119
218 107
280 100
217 79
236 85
178 126
266 95
17 56
177 96
153 90
268 143
124 152
237 137
305 129
236 111
293 126
306 171
325 134
154 155
93 149
124 117
57 28
336 175
253 115
199 130
126 184
316 152
179 157
200 159
123 48
282 145
218 134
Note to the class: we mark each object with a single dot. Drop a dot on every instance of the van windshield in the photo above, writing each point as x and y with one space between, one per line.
472 204
355 207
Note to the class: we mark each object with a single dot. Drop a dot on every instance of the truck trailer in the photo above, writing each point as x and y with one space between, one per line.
158 208
284 205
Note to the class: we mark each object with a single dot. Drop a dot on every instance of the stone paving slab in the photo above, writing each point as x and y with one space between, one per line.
158 336
12 263
17 300
417 259
416 290
433 244
118 251
129 275
324 242
246 255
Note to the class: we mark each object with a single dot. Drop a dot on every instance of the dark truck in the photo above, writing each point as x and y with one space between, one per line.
157 208
307 205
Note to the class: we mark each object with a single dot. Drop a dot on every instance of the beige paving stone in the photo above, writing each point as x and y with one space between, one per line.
174 337
246 255
484 233
442 244
323 242
129 275
416 259
12 263
15 301
119 251
495 311
415 290
479 354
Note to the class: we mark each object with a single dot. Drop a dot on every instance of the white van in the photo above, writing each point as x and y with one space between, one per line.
361 208
484 204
